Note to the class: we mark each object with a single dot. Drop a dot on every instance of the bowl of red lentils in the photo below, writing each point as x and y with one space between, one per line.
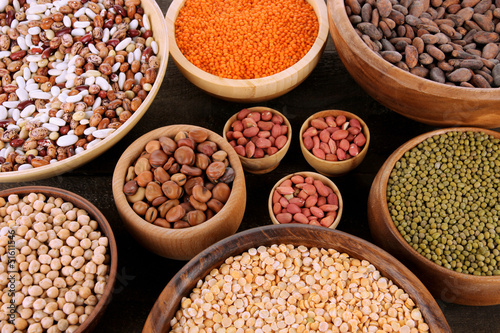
76 78
334 142
295 278
246 51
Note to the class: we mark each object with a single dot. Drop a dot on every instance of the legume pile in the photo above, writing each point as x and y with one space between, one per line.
72 73
59 262
297 289
443 198
245 39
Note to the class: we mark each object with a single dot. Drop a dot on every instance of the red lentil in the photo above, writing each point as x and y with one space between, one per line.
245 39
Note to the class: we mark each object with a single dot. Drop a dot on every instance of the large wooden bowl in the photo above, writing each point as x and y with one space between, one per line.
443 283
417 98
251 90
184 281
180 244
78 201
160 35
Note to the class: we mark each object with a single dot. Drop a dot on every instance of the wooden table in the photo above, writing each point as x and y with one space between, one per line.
143 275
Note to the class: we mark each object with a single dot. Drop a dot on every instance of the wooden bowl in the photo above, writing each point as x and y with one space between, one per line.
160 35
443 283
185 280
267 163
180 244
315 175
417 98
334 168
251 90
78 201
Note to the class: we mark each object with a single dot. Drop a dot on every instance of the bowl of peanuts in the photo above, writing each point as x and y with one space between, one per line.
60 252
97 70
306 198
179 189
434 63
246 51
294 277
334 142
260 136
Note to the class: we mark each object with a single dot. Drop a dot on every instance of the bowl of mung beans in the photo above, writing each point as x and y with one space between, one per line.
434 205
295 277
246 51
76 78
179 189
431 62
59 261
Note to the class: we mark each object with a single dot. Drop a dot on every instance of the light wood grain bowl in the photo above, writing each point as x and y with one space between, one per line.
180 244
417 98
328 182
185 280
92 321
251 90
334 168
443 283
159 29
267 163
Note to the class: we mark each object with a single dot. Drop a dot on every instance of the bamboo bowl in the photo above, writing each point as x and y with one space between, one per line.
92 321
159 29
180 244
251 90
443 283
267 163
417 98
186 279
334 168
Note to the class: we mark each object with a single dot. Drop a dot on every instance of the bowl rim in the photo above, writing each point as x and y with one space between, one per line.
324 179
104 226
382 192
80 159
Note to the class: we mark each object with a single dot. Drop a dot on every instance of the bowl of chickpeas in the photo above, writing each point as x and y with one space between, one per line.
61 252
244 51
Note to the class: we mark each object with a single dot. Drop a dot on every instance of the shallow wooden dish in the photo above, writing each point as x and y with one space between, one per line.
185 280
267 163
315 175
160 35
252 90
443 283
334 168
417 98
180 244
93 319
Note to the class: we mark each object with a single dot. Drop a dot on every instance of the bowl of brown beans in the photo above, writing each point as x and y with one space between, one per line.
434 205
246 51
301 278
435 63
306 198
179 189
260 136
75 79
334 142
59 261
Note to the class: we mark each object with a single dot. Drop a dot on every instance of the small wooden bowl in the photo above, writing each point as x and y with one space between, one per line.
443 283
180 244
251 90
417 98
185 280
334 168
267 163
160 35
78 201
315 175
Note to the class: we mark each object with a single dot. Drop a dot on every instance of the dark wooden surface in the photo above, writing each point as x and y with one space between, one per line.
142 275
